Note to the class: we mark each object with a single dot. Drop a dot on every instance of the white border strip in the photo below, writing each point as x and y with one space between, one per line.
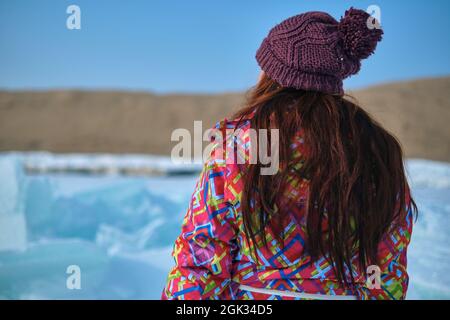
296 294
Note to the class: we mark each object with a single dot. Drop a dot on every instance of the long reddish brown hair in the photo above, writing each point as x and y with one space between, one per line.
354 167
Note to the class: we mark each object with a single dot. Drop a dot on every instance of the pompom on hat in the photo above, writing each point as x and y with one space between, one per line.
313 51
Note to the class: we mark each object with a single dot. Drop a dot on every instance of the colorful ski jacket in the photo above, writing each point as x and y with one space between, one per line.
212 254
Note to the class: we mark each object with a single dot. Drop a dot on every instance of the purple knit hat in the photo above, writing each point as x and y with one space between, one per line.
312 51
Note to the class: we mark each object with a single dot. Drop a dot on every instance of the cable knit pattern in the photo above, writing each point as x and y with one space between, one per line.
313 51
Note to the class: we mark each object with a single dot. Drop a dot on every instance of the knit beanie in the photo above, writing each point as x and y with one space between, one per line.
313 51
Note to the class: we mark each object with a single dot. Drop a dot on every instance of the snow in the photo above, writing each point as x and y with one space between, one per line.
119 229
429 252
12 219
105 164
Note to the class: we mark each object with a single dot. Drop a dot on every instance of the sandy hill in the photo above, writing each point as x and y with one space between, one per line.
417 112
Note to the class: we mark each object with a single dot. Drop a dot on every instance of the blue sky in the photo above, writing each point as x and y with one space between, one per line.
194 46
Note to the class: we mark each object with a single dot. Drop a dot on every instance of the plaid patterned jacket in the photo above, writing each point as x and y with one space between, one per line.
212 254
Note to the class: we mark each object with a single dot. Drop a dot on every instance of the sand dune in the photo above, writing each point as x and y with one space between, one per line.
417 112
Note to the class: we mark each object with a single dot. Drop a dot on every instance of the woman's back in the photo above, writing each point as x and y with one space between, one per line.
214 243
335 217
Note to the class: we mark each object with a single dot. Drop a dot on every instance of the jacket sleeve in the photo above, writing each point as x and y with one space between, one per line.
204 250
392 253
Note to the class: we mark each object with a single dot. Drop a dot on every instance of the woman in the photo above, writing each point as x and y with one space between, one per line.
335 220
